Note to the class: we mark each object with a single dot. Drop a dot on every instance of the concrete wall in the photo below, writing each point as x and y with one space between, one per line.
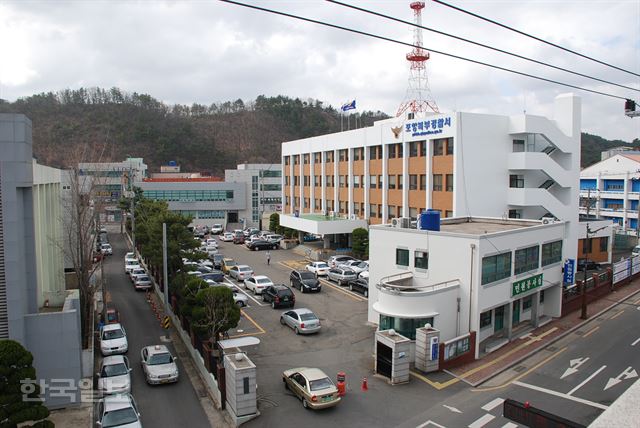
54 340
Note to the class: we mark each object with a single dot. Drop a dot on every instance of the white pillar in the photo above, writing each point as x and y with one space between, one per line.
385 179
366 183
323 182
312 192
405 178
301 207
350 182
336 182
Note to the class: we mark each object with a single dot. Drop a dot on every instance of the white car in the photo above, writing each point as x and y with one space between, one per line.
106 249
334 261
158 364
118 411
240 299
364 274
130 255
114 376
355 265
227 237
113 340
257 283
211 251
319 268
216 229
136 273
211 242
240 272
131 264
142 282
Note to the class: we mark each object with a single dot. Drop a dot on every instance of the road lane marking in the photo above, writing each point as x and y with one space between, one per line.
337 288
593 330
492 404
453 409
635 342
509 425
236 286
636 302
617 314
252 321
581 384
482 421
520 376
562 395
430 423
629 373
574 365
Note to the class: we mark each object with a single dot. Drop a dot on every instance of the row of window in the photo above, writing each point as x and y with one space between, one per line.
420 258
497 267
375 210
189 195
202 214
441 147
416 181
486 317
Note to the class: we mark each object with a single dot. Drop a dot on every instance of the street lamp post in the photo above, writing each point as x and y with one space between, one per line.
583 314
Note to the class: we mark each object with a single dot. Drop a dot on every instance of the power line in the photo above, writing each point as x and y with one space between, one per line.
375 36
479 44
534 37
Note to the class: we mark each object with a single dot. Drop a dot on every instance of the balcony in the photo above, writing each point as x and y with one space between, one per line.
529 124
540 162
527 197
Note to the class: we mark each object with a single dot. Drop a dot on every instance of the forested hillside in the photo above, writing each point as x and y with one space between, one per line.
199 137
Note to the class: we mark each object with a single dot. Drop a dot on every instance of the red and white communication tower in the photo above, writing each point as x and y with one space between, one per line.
418 98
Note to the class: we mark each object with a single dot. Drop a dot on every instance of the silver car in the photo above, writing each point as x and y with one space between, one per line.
114 377
240 272
113 340
240 299
118 410
143 282
341 275
302 321
158 365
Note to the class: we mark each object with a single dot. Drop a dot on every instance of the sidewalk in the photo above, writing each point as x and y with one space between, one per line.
480 371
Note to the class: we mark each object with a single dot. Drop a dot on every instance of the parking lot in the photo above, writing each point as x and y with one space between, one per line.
345 343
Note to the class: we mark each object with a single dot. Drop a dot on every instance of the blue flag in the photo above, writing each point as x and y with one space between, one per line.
349 106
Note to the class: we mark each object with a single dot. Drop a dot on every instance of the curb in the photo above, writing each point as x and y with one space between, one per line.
552 341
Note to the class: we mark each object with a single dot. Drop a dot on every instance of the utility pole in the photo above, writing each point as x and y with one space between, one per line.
583 314
165 275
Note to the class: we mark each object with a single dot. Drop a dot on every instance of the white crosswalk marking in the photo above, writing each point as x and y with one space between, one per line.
510 425
482 421
492 404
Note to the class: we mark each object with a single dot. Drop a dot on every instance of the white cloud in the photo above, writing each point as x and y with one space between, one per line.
193 51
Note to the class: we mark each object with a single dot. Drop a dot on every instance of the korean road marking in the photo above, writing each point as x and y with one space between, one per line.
586 380
492 404
562 395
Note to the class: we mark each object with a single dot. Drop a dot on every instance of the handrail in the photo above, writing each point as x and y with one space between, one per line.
387 283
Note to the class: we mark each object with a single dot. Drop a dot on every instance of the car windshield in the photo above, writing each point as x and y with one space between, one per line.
349 272
319 384
322 265
164 358
245 269
308 317
114 370
265 280
112 334
230 263
307 275
143 278
119 417
362 265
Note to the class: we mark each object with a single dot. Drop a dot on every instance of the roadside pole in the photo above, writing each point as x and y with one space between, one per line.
104 290
165 275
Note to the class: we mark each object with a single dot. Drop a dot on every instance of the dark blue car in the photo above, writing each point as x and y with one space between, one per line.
215 275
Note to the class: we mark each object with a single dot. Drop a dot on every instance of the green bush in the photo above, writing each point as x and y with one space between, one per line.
360 242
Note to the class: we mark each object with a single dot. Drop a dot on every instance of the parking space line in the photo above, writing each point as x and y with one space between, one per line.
482 421
242 291
593 330
562 395
617 314
338 288
252 321
492 404
581 384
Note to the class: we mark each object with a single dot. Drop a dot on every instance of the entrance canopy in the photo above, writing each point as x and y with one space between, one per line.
319 224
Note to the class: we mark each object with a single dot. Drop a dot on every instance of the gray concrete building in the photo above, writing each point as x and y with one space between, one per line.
264 190
29 226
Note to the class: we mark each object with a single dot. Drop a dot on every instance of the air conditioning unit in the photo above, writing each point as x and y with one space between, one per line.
401 222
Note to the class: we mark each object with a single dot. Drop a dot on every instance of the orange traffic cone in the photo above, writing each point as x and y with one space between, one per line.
365 386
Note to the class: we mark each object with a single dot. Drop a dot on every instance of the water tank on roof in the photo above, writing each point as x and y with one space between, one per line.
429 220
173 163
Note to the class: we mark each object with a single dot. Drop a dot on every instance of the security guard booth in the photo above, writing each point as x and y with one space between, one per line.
392 356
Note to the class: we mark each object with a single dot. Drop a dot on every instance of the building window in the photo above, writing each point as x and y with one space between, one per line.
271 187
437 182
343 179
296 159
421 260
423 182
526 259
270 174
316 181
307 180
448 214
286 180
392 151
449 146
604 244
402 257
328 156
516 181
329 205
343 155
392 211
356 208
400 182
413 182
413 149
413 213
372 181
449 182
329 180
456 347
305 158
423 148
379 182
379 211
541 296
495 268
306 203
405 326
438 147
356 181
551 253
375 152
296 180
526 303
515 214
485 319
316 204
317 156
286 200
358 154
518 146
399 150
373 210
587 245
343 207
296 202
392 182
286 160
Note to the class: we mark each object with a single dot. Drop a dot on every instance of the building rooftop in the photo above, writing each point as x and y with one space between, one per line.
483 226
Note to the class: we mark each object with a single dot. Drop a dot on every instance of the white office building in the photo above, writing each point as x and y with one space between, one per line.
263 184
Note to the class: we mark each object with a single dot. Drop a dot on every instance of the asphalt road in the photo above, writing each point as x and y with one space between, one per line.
172 405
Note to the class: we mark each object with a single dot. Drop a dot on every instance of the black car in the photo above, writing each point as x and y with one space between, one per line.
260 244
217 260
361 285
304 280
279 295
588 264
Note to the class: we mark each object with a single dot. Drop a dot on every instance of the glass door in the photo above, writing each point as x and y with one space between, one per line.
499 319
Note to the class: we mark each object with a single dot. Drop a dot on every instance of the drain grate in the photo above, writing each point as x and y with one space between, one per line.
578 332
552 348
519 369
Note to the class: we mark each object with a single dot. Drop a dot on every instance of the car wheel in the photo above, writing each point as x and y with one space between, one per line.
305 404
275 247
255 248
286 385
240 304
296 330
273 305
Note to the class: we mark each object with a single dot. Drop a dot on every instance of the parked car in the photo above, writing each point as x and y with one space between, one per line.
216 259
211 242
336 260
238 238
227 237
158 365
240 272
114 375
279 295
250 231
260 244
274 238
130 255
257 283
318 268
588 264
304 280
135 273
355 265
142 282
106 249
113 316
216 229
361 285
302 321
635 251
214 275
113 339
118 410
211 251
312 386
341 275
130 265
227 264
364 275
240 299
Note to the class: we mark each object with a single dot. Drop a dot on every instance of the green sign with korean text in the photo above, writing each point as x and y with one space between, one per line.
525 285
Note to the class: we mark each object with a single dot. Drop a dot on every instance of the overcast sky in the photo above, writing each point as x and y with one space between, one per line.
209 51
